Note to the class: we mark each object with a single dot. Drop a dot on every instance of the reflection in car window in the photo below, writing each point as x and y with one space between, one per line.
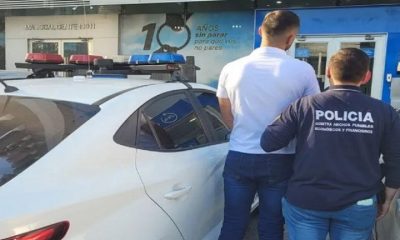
147 139
30 127
209 102
170 123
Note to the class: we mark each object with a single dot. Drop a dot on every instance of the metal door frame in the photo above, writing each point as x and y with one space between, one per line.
334 44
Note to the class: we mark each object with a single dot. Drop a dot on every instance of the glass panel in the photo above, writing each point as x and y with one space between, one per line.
2 44
369 49
315 54
126 134
75 48
172 123
147 139
45 47
210 105
395 95
30 127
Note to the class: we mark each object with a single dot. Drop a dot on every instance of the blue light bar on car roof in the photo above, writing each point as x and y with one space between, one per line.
138 59
162 58
156 58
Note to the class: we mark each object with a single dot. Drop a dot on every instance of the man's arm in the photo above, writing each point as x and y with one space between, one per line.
391 157
384 207
223 99
281 131
226 111
312 86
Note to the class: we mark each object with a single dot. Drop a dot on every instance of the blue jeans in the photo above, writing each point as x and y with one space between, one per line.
244 176
352 223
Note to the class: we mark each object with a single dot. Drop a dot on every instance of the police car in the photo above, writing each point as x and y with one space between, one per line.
110 155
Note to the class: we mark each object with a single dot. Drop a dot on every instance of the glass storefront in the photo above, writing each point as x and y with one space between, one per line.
317 50
315 54
65 48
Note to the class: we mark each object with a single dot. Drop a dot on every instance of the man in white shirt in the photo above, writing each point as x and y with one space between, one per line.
252 92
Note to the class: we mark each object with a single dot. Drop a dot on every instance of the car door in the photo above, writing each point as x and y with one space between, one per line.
180 161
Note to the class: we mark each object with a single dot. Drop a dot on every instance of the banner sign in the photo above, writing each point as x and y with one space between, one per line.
214 39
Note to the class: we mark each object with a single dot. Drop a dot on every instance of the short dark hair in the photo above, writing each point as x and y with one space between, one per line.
277 22
349 65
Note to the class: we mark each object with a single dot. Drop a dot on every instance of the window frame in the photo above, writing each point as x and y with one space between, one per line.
28 111
133 124
205 116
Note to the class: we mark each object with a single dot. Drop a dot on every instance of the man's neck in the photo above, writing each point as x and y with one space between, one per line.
265 43
336 82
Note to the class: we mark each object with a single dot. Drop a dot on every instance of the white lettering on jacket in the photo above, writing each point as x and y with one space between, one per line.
344 116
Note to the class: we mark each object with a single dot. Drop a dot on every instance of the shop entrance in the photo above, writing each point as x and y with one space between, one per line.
317 51
61 46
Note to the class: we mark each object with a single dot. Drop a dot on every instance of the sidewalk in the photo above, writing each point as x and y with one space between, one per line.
251 233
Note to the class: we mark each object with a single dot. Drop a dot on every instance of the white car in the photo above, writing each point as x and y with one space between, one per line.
87 158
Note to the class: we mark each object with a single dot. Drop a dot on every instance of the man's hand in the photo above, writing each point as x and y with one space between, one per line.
383 209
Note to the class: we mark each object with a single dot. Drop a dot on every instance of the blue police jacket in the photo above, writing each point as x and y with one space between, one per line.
341 134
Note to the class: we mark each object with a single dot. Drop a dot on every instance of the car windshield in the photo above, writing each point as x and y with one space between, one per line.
31 127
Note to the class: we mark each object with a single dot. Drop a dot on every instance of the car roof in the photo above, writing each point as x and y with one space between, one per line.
77 89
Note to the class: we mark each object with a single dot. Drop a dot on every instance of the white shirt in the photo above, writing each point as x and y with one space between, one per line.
259 87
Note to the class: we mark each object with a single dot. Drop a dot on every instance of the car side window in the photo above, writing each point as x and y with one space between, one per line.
170 123
209 103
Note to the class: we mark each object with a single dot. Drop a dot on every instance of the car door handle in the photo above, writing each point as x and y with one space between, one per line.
178 193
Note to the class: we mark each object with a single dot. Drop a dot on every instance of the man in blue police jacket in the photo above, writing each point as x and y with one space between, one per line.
341 134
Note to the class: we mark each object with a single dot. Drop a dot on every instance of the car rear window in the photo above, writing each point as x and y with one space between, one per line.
30 127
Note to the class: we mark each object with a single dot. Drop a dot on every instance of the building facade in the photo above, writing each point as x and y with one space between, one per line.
213 32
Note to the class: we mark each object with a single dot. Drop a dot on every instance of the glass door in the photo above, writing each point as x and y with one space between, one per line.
40 46
317 51
64 47
71 47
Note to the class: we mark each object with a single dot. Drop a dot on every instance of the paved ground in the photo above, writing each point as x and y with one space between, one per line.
251 233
